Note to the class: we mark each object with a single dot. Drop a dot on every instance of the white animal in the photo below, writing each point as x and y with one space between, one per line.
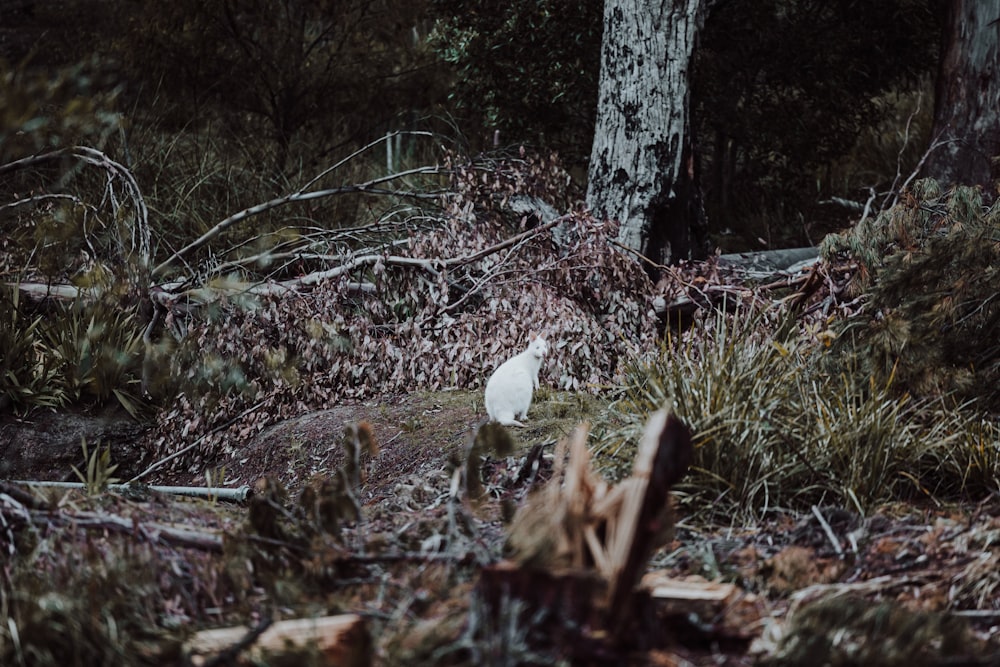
509 389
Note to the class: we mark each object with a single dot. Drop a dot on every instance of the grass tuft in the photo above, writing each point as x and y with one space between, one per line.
772 430
80 353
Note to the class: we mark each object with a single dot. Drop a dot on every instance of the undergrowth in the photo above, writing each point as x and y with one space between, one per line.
774 431
80 353
928 270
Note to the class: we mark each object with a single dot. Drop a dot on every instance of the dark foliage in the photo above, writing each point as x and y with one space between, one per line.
527 70
337 71
783 87
929 269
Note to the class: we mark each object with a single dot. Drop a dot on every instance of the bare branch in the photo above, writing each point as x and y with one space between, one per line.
300 196
139 242
432 266
221 427
153 532
458 261
868 204
358 152
899 155
936 144
41 198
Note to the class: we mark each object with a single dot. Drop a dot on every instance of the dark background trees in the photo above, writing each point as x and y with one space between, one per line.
338 72
525 70
792 102
790 97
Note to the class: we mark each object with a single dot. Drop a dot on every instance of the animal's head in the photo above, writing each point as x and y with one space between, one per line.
537 346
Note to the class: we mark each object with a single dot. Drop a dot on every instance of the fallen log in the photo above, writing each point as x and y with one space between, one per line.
768 263
341 641
30 513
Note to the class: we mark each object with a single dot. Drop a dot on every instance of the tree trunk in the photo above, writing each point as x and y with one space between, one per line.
642 166
967 106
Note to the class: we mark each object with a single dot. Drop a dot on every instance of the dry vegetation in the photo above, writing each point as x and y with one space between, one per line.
846 445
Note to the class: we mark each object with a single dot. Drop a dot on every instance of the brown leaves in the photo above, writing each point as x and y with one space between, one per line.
445 311
796 567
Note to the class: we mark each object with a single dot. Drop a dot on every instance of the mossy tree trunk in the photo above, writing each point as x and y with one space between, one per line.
967 106
643 171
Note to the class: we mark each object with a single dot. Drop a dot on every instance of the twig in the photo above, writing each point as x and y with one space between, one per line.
639 256
829 531
358 152
468 259
868 205
789 281
484 279
899 155
41 198
140 234
936 144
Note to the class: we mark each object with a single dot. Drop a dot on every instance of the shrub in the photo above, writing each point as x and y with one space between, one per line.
772 430
927 274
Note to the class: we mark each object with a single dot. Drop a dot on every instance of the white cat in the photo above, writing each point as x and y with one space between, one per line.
509 389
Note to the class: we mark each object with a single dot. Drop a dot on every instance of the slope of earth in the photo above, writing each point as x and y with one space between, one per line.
417 434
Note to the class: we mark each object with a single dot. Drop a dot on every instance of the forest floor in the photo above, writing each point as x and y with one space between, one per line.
904 584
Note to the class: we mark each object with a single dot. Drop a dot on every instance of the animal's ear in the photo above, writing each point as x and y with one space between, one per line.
532 336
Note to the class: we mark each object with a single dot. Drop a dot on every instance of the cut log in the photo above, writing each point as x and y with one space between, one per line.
337 640
705 612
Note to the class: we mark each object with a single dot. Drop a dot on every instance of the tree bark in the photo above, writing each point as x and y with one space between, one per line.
967 106
643 170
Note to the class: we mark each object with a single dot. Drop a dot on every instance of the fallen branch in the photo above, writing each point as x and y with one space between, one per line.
163 295
139 242
301 196
152 532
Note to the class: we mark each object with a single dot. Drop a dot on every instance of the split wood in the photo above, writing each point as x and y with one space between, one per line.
579 521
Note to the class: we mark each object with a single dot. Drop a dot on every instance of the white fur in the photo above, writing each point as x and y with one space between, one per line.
509 389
